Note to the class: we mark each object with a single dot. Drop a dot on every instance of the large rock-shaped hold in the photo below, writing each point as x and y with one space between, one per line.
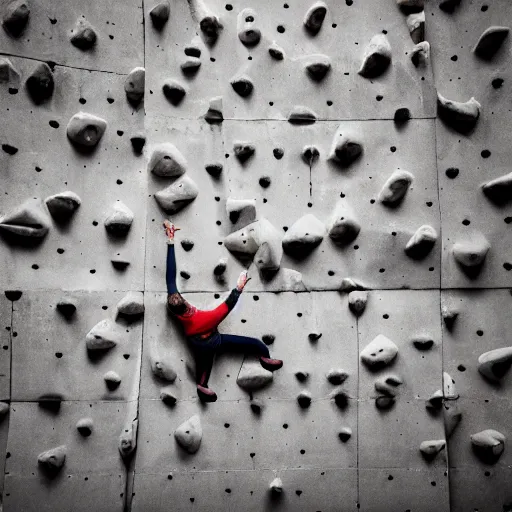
490 42
242 85
162 366
176 196
270 249
430 449
376 58
241 211
167 160
317 66
131 304
472 251
343 227
62 206
303 236
85 129
40 84
248 32
27 220
379 353
241 242
499 190
495 364
460 116
160 14
488 445
174 91
357 301
395 188
253 376
416 25
15 17
8 73
346 147
289 280
189 434
449 391
134 85
421 243
420 54
128 440
119 220
54 459
435 400
83 36
315 17
103 335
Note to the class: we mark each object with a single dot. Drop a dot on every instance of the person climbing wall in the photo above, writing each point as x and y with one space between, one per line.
201 326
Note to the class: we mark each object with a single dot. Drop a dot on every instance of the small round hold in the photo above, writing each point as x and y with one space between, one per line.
242 86
187 244
402 115
138 142
384 402
220 268
265 181
214 170
268 339
173 91
160 14
84 426
278 153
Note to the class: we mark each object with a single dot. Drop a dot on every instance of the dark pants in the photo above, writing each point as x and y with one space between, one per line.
205 351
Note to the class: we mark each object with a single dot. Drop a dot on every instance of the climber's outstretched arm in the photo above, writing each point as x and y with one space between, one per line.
170 274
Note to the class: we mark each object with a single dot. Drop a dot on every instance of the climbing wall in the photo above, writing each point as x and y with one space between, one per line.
353 156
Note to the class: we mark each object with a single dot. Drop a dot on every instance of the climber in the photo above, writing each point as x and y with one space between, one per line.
201 326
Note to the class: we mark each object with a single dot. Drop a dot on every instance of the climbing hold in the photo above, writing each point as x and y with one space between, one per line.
128 440
243 150
451 417
315 17
167 396
220 268
336 376
241 242
430 449
302 115
348 284
402 115
241 211
395 188
393 380
269 242
103 335
189 434
66 308
304 399
345 434
290 280
303 236
242 85
40 84
317 66
8 73
376 58
214 114
276 486
83 36
265 181
84 426
357 302
410 6
176 196
209 24
449 5
314 336
160 14
63 205
488 445
166 160
302 376
495 364
421 243
253 376
15 18
275 51
162 367
27 220
343 227
449 316
416 25
134 85
173 91
346 148
119 219
472 251
499 190
340 398
112 380
138 141
449 391
462 117
310 154
190 66
4 409
52 460
379 352
131 304
384 388
490 42
248 33
384 402
420 54
85 129
119 262
13 295
435 401
423 342
214 170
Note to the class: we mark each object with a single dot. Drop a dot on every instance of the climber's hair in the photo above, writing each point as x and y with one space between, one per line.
176 304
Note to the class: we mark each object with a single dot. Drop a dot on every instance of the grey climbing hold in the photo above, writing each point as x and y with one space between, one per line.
340 398
15 17
402 115
343 227
167 396
310 154
314 336
112 380
315 17
103 335
317 66
214 113
242 85
8 73
119 262
346 147
257 406
430 449
499 190
241 242
357 301
192 51
131 304
174 91
451 417
53 459
189 434
410 6
379 352
40 84
382 387
490 42
421 243
85 129
488 445
243 150
303 236
304 399
449 391
336 376
85 426
119 219
248 33
4 410
220 268
241 211
66 308
275 51
276 486
290 280
302 376
423 342
62 206
416 25
393 380
191 65
134 85
83 36
209 24
449 6
138 142
384 402
302 115
495 364
214 170
128 440
472 251
253 376
462 117
162 367
176 196
435 401
345 434
395 188
349 284
160 14
166 160
449 316
269 241
420 54
376 58
27 220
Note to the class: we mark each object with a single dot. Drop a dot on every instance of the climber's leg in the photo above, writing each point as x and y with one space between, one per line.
204 358
236 343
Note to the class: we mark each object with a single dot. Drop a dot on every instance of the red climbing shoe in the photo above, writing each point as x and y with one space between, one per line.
206 394
271 364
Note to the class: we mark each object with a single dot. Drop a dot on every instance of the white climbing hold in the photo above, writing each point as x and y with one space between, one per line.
269 240
317 66
382 387
449 315
460 116
243 150
290 280
449 391
83 36
159 14
416 25
119 219
131 304
162 366
495 363
357 300
379 352
241 241
302 115
499 190
422 242
488 444
29 219
430 449
85 426
395 187
190 65
490 42
167 396
214 113
451 417
420 54
393 380
128 439
189 434
241 211
103 335
346 147
248 32
62 206
472 251
242 85
182 192
376 58
112 379
276 486
345 434
304 399
166 160
8 73
275 51
336 376
343 227
435 401
85 129
349 284
253 376
304 235
54 458
315 17
134 84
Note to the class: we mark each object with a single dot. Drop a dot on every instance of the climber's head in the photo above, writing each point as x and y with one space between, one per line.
177 304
